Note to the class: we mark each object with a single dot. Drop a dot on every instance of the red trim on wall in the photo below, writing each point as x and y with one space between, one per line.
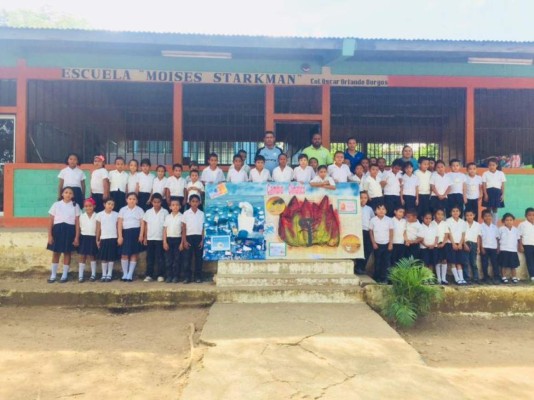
460 82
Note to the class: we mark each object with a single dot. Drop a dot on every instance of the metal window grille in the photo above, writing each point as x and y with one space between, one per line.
8 92
392 151
298 99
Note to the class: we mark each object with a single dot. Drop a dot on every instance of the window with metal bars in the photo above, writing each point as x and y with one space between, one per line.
8 92
392 151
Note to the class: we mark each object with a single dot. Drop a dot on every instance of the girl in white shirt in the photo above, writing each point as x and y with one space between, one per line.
99 182
456 228
118 182
106 238
526 230
493 187
130 235
367 214
73 177
159 184
409 187
88 248
509 240
133 177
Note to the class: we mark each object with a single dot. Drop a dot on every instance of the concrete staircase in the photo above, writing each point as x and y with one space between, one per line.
307 281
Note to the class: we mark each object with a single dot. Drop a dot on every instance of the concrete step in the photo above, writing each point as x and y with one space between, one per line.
281 280
291 294
329 267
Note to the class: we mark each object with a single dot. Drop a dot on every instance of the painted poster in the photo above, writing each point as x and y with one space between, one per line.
259 221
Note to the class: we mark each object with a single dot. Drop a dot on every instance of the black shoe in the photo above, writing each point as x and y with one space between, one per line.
475 282
168 280
103 279
129 280
50 280
81 280
64 280
92 278
108 280
174 280
186 281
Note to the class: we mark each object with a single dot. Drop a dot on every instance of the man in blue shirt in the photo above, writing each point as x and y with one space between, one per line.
352 155
270 151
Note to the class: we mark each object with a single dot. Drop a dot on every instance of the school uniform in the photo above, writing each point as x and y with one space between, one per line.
64 229
410 184
190 192
489 235
176 187
154 235
456 230
98 176
508 242
109 249
399 248
429 234
131 228
441 184
283 175
245 168
145 190
391 192
526 231
374 190
259 176
441 252
73 177
381 228
494 182
173 225
303 175
235 176
159 186
133 180
473 185
212 175
318 179
367 214
194 222
424 192
118 182
339 173
356 178
472 233
412 230
456 195
88 245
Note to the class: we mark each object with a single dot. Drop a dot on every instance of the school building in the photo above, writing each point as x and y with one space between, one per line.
177 97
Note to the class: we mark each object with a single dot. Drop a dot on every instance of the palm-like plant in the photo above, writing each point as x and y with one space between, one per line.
411 295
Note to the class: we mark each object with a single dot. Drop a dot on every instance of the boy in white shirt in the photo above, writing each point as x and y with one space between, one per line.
381 233
367 215
193 239
509 240
144 184
339 171
440 186
457 195
118 181
172 241
282 173
456 228
424 175
243 154
303 173
471 245
490 247
322 179
212 174
259 173
474 193
399 230
526 230
153 222
440 252
372 184
237 174
411 240
392 187
493 182
175 185
428 239
194 186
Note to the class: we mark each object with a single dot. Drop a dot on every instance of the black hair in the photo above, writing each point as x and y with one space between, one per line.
437 210
529 210
469 211
427 213
175 200
259 157
456 207
351 138
339 152
194 196
380 158
365 193
406 165
486 212
177 165
269 133
98 155
133 160
312 158
157 196
321 167
454 160
120 158
411 211
421 159
194 170
379 205
242 151
236 157
507 215
432 159
132 194
213 155
399 207
470 164
365 158
72 190
398 163
146 161
161 166
282 154
493 160
440 162
302 155
192 162
75 155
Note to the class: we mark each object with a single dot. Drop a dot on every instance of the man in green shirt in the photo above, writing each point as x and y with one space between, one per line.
316 150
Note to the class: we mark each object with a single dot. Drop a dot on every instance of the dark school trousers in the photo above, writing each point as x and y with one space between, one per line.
391 202
472 205
154 255
490 256
173 259
398 252
455 200
529 256
423 207
382 263
367 249
196 252
471 261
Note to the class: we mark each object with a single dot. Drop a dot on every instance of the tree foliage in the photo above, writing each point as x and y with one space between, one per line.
42 18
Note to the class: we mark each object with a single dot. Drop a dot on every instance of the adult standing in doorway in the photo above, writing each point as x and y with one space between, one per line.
407 156
316 150
270 151
353 156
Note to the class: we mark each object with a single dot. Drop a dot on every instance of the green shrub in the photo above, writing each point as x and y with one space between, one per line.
411 294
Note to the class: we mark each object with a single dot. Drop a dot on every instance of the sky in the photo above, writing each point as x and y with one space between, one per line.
405 19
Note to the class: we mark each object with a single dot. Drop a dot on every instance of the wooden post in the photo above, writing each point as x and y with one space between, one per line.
269 108
177 123
325 129
470 125
21 120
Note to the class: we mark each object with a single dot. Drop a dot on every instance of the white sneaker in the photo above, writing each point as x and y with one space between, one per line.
148 279
161 279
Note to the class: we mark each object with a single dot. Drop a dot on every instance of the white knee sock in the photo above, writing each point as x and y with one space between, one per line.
455 273
53 268
461 274
131 269
104 269
81 270
93 268
110 268
124 265
65 272
444 268
438 272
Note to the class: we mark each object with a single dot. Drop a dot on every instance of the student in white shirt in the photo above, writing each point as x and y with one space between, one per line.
457 195
99 183
440 253
411 240
88 249
392 187
133 178
367 214
409 187
399 231
509 240
172 242
358 175
73 177
212 174
373 185
106 239
194 186
456 228
153 222
118 182
243 154
159 185
322 179
259 173
193 240
493 182
424 175
237 174
339 171
474 193
130 235
282 173
381 233
440 186
144 184
428 239
526 230
303 173
489 248
471 245
175 185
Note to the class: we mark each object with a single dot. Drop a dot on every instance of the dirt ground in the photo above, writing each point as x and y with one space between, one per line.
486 357
48 353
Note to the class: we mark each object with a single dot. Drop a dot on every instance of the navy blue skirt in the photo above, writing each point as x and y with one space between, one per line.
119 198
63 235
440 254
87 246
508 259
454 256
131 245
109 250
427 256
79 197
494 198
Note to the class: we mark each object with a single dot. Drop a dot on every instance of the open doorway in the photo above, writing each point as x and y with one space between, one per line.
295 136
7 150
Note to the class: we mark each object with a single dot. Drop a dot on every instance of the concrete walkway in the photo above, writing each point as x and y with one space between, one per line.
308 351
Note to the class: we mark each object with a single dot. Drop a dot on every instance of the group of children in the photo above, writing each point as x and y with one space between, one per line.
128 213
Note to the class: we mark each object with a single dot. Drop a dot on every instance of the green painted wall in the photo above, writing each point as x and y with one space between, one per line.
519 194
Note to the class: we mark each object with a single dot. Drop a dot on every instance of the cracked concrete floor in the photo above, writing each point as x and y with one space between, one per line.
308 351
